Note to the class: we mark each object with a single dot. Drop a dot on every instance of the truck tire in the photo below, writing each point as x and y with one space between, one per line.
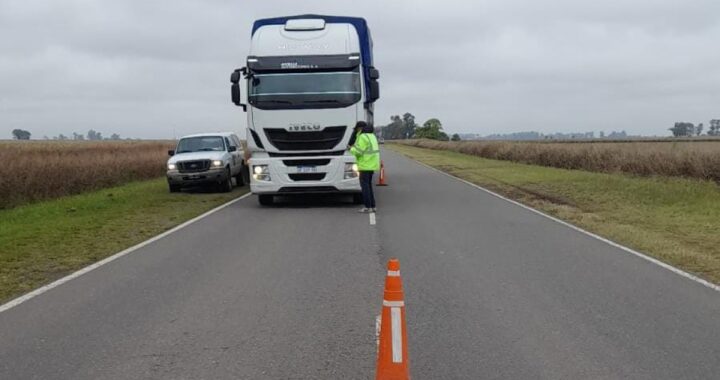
226 186
357 198
174 188
266 199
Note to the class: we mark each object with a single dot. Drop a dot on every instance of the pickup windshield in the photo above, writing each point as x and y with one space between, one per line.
334 89
201 144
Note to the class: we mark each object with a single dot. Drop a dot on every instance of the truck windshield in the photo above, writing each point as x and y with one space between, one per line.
305 90
200 144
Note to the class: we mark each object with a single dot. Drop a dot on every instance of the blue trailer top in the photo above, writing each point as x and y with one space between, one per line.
359 23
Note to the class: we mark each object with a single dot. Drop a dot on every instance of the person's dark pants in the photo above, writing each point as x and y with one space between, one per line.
367 190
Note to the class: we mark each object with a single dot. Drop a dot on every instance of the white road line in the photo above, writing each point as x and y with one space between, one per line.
588 233
396 330
372 218
17 301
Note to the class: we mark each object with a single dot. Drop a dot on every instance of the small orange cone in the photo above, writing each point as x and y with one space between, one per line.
392 359
381 180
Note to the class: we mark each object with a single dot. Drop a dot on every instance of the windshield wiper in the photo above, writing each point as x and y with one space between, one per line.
206 150
276 101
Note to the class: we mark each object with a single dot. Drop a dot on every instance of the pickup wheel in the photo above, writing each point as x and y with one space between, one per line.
266 199
226 186
174 188
246 174
240 178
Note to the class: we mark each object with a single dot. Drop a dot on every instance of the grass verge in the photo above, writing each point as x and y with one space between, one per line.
674 220
44 241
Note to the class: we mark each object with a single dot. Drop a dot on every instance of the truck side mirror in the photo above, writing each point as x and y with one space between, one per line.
374 74
374 91
235 94
171 152
235 76
235 88
232 149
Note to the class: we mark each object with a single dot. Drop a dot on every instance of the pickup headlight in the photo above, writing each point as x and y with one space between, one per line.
351 170
172 167
261 173
217 164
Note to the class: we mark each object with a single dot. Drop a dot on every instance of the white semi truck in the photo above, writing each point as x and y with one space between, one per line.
307 81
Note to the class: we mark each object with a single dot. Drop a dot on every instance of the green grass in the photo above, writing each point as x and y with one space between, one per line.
674 220
44 241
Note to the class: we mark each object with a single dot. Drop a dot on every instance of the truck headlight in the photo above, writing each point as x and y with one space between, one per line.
217 164
351 170
172 166
261 173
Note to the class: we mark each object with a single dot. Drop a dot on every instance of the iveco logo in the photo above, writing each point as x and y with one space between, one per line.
303 127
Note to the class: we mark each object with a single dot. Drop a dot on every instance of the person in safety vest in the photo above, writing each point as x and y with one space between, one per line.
367 155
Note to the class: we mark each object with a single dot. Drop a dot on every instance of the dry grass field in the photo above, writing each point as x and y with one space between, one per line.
35 170
687 159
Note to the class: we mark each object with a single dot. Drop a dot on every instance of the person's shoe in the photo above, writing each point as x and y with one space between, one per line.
373 209
365 210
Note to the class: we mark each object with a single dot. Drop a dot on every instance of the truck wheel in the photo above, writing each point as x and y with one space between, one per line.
226 186
357 198
266 199
174 188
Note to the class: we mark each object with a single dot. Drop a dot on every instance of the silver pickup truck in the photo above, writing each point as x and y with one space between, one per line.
207 158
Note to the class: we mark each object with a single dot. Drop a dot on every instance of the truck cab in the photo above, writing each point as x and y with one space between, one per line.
307 81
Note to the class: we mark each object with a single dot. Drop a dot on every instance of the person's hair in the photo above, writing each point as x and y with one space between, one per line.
365 127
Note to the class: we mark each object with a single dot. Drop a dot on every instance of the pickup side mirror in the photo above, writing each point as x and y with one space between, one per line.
232 149
171 152
235 88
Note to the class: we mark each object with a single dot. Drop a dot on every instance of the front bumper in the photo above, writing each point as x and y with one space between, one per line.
213 175
282 173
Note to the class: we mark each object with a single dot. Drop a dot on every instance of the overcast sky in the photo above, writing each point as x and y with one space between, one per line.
150 69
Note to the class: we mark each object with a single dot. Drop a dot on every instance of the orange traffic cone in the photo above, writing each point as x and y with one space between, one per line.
392 359
381 180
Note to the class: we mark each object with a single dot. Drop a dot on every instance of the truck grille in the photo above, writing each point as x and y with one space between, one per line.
307 176
330 153
193 166
308 189
316 140
307 162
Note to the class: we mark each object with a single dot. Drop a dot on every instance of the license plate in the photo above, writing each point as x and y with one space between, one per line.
306 169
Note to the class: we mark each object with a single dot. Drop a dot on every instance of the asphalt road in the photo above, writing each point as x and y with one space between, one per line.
493 291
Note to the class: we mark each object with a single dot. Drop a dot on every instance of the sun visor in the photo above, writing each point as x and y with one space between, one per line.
304 62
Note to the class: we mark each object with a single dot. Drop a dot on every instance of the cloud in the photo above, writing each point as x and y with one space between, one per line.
146 69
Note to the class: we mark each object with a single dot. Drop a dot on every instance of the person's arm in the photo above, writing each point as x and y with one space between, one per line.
360 147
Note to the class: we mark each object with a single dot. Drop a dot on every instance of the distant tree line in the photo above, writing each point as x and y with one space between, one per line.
685 129
92 135
405 127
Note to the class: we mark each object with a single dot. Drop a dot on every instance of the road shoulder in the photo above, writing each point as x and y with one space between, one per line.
668 219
